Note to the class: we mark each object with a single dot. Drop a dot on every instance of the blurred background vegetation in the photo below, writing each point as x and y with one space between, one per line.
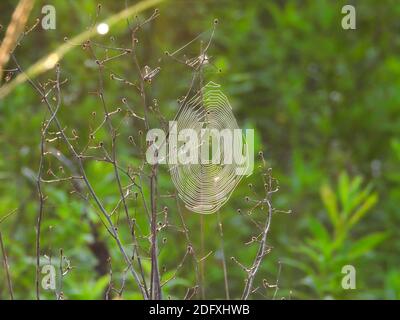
325 106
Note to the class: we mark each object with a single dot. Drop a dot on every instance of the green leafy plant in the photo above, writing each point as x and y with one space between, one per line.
333 244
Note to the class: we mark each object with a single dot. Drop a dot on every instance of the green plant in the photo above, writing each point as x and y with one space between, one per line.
334 244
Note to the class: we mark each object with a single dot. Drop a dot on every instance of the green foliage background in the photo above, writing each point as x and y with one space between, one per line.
325 105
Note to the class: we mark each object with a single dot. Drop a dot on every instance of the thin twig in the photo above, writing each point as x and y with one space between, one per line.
226 282
263 249
6 268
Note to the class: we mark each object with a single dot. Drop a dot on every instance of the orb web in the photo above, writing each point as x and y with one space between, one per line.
206 187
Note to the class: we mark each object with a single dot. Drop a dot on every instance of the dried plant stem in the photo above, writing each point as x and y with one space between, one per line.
6 267
202 286
39 218
55 56
114 163
262 250
155 283
155 276
111 228
226 282
190 245
39 181
61 284
15 28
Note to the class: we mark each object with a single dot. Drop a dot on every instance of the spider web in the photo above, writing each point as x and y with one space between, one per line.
206 186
